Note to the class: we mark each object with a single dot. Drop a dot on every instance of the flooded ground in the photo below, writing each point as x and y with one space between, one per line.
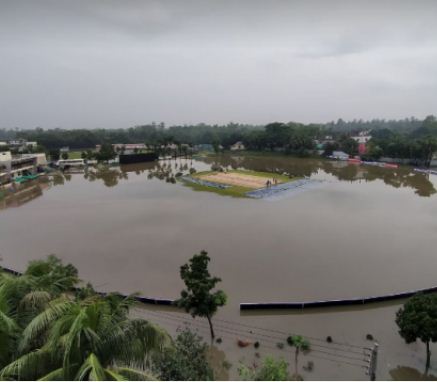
364 231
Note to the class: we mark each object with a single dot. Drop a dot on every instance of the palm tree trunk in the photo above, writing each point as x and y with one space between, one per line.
428 357
296 357
210 327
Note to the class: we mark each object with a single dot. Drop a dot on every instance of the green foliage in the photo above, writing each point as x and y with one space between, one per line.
298 342
48 334
54 154
417 319
374 152
198 299
330 147
270 370
106 152
186 361
301 345
349 146
52 275
408 138
64 155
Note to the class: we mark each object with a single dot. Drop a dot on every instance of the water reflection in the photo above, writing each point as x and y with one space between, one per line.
405 373
169 170
343 171
19 194
109 175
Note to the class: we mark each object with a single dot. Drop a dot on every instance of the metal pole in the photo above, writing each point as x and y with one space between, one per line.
373 362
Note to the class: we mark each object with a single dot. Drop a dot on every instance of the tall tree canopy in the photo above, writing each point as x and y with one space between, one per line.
198 298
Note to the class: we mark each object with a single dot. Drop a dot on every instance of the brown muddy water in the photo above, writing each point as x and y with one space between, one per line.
364 231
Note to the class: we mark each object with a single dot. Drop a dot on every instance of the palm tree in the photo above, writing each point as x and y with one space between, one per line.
47 331
301 345
9 330
91 338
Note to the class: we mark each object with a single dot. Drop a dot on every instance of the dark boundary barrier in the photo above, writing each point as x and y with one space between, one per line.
137 158
331 303
144 300
284 305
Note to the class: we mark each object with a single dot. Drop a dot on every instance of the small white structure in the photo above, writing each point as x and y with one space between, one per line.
21 144
362 137
237 146
5 167
41 159
69 163
341 155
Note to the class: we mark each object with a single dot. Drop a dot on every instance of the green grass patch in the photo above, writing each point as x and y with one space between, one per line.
77 154
233 190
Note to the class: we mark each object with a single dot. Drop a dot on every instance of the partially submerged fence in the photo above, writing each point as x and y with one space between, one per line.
333 303
288 305
144 300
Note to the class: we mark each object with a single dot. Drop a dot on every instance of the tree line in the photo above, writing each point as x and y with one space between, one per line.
195 134
412 139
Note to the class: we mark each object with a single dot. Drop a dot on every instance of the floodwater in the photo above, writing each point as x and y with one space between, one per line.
364 231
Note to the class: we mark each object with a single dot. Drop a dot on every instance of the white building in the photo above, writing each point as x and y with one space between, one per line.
362 139
341 155
12 167
237 146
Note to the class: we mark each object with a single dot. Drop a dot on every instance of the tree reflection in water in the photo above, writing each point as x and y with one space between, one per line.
405 373
169 170
342 170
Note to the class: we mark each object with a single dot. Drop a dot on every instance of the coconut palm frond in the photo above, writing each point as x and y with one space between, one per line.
29 366
91 370
35 300
136 340
135 375
7 324
42 321
114 376
73 336
55 375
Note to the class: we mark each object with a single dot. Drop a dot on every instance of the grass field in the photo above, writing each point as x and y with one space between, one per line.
75 154
239 181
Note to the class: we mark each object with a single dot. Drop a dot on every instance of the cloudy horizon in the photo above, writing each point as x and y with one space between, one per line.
89 64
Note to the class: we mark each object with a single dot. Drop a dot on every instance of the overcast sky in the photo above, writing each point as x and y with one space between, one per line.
86 63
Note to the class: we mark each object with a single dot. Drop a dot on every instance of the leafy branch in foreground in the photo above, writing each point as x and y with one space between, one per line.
198 299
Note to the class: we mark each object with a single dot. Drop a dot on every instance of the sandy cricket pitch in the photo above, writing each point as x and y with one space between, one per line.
236 179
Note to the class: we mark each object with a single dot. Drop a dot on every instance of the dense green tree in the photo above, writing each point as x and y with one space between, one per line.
277 135
269 370
374 151
106 152
417 319
187 360
349 146
330 147
198 298
54 154
301 345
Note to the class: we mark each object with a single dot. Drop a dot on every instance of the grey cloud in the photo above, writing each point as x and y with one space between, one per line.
87 63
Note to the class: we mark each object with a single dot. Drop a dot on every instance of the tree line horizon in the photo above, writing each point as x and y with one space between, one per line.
408 138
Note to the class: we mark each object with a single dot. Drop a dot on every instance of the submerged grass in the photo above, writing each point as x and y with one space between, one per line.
236 191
